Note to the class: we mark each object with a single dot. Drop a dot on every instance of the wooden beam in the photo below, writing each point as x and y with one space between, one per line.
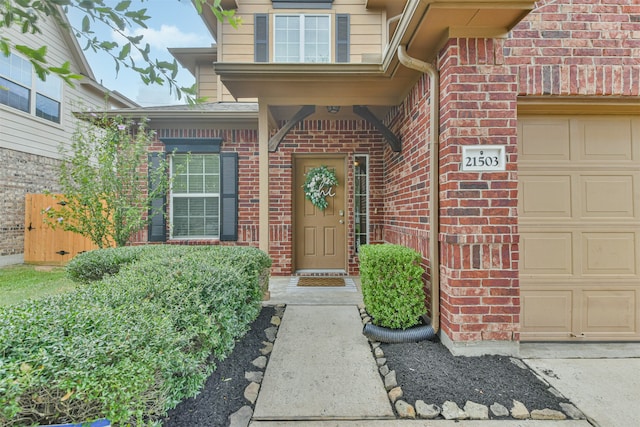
392 139
303 113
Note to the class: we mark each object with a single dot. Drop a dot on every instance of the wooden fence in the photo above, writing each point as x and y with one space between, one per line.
43 244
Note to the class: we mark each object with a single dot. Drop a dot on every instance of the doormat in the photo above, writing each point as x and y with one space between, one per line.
321 281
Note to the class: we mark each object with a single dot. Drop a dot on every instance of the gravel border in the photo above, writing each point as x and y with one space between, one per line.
425 380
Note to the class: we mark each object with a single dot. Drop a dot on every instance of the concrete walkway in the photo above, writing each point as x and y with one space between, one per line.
321 368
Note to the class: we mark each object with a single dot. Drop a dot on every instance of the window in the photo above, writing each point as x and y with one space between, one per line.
302 38
20 88
361 199
195 196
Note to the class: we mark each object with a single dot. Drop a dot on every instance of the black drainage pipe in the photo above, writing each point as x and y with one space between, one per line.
387 335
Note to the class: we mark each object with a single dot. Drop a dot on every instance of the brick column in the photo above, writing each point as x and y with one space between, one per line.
479 297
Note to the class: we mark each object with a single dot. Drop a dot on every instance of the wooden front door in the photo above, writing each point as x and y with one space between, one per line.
319 236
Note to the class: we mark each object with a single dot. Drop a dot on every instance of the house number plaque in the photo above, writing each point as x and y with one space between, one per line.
483 158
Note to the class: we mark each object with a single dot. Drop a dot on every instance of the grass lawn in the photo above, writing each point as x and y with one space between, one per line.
21 282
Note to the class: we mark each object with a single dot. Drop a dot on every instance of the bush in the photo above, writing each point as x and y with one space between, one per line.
94 265
392 286
133 345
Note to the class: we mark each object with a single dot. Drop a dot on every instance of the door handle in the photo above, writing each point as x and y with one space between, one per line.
341 222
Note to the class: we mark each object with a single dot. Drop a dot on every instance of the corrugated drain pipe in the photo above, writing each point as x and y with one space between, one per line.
434 176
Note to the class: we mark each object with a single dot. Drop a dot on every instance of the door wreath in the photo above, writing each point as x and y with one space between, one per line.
318 185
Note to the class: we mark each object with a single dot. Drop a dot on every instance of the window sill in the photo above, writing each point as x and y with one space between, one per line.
194 242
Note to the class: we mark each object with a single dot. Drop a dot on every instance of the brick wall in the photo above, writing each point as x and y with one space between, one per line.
407 204
21 173
582 47
244 142
322 136
479 236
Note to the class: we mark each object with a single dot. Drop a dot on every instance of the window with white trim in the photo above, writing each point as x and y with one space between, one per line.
195 196
361 200
302 38
22 89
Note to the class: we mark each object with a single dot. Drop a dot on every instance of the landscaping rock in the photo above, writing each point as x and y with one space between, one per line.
241 417
381 361
384 370
267 349
547 414
395 394
254 376
427 412
405 410
519 411
260 362
451 411
390 380
275 321
251 392
572 412
378 353
271 333
499 410
476 411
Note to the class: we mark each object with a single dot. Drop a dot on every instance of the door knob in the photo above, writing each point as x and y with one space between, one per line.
341 222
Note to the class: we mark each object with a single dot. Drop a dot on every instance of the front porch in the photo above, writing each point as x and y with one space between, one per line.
284 290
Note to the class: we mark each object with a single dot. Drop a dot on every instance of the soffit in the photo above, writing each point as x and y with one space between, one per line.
190 57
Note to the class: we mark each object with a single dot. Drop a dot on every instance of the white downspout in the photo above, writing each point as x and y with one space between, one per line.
434 178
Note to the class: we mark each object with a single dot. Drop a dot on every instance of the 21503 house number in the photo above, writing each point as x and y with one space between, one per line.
483 158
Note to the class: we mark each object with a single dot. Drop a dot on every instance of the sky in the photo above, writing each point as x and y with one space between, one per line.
173 23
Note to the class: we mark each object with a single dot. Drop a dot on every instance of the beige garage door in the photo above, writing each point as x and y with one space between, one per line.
579 220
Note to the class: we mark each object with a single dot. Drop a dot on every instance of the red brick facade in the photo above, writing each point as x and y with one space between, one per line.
578 49
587 47
245 143
348 137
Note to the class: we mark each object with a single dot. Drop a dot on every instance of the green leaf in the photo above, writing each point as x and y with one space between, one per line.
86 24
124 52
123 5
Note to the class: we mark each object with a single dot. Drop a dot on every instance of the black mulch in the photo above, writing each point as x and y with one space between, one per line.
223 393
427 371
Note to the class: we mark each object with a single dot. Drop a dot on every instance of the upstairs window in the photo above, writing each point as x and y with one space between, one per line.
20 88
302 38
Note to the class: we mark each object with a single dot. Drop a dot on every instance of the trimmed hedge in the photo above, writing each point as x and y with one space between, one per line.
392 287
133 345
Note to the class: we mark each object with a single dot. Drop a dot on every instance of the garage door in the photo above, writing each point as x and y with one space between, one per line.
579 221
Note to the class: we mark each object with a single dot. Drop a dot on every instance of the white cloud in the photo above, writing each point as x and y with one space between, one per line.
167 36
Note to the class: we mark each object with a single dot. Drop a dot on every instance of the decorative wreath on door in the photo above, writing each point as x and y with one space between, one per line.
318 185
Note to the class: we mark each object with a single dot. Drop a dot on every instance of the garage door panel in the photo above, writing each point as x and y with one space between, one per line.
546 253
579 221
603 139
608 253
546 310
607 196
544 139
545 196
609 311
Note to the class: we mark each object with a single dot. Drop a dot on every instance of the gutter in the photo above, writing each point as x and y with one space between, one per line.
434 188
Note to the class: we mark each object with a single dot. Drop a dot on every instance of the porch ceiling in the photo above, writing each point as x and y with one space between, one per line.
424 27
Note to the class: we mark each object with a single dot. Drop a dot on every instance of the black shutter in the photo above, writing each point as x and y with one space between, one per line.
157 223
261 37
229 196
342 38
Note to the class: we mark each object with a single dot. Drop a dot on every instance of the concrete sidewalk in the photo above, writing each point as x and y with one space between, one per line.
322 368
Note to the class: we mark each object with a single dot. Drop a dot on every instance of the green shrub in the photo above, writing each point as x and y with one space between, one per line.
392 286
133 345
94 265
